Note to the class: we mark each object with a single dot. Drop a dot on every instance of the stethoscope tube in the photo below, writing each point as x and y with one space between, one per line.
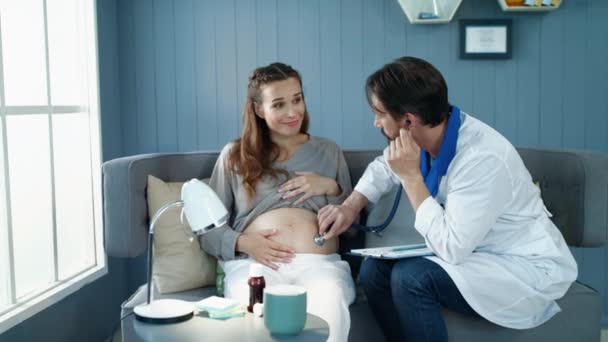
320 240
379 228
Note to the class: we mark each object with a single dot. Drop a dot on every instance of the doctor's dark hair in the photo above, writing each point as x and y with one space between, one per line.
253 153
410 85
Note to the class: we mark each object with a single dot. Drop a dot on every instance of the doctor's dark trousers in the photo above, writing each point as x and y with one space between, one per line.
407 296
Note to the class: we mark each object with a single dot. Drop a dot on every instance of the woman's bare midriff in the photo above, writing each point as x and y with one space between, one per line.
296 228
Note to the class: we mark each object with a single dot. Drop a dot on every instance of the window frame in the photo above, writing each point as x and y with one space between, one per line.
21 309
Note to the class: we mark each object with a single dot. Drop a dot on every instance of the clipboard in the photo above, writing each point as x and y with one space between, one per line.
394 252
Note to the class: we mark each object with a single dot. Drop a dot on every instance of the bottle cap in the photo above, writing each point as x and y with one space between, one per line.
256 270
258 309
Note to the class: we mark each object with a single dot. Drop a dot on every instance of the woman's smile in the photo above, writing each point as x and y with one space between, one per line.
292 123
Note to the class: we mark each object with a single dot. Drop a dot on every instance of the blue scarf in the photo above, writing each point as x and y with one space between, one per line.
432 175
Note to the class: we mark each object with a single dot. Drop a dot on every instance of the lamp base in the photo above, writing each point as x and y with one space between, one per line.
164 311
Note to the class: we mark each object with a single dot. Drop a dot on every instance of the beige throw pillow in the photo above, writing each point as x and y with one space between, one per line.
179 263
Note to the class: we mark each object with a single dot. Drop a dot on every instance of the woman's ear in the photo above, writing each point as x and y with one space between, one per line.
257 109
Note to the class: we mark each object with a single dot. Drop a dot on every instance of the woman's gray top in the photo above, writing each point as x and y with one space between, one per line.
318 155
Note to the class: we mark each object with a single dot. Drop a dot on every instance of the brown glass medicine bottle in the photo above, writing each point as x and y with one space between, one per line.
256 284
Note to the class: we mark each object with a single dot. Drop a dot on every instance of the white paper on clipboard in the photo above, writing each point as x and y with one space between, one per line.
394 252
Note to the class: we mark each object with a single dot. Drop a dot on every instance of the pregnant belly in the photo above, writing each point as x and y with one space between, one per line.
295 227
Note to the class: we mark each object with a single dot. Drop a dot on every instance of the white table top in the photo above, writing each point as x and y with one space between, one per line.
202 328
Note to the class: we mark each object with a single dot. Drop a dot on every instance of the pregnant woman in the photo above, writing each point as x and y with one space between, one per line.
273 180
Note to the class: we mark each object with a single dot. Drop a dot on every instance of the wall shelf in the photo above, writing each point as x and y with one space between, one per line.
516 7
444 10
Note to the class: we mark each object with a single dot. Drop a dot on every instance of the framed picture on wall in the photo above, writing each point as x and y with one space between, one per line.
485 38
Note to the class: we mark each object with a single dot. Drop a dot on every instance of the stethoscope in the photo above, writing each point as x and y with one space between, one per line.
320 239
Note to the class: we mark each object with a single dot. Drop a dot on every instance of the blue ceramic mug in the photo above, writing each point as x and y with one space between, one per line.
285 309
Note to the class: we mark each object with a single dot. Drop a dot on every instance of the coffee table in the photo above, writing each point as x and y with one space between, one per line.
202 328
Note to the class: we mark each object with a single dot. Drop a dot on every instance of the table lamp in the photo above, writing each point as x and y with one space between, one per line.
204 211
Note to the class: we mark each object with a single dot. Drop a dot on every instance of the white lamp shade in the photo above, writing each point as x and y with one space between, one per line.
202 206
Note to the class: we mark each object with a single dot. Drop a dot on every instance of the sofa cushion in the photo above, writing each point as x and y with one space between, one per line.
179 262
579 320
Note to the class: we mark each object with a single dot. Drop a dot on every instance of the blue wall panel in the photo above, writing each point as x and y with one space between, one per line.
596 123
126 67
596 120
245 49
310 59
573 92
267 31
184 67
145 76
288 31
109 81
353 123
225 37
329 115
417 40
459 72
206 75
166 80
373 58
441 55
551 77
185 76
505 88
394 31
528 55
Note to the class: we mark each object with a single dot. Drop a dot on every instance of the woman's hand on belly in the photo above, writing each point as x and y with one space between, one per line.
309 184
258 245
295 228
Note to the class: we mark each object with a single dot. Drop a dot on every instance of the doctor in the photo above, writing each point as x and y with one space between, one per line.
497 253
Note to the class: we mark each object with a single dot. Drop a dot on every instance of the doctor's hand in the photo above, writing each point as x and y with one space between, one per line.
404 156
309 184
335 219
265 251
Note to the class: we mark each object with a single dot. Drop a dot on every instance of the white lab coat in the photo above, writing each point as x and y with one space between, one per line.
489 229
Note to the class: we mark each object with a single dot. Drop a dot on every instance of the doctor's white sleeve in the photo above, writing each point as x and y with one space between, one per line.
477 193
377 180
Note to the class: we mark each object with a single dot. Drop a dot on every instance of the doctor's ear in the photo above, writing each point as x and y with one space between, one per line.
407 120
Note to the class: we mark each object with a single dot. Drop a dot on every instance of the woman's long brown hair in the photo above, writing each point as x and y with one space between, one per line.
254 152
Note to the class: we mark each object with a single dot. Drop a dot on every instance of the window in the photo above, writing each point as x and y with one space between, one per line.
50 182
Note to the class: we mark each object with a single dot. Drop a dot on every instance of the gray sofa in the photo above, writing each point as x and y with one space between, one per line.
574 186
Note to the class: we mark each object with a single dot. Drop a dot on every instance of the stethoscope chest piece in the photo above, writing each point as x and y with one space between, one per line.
319 239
